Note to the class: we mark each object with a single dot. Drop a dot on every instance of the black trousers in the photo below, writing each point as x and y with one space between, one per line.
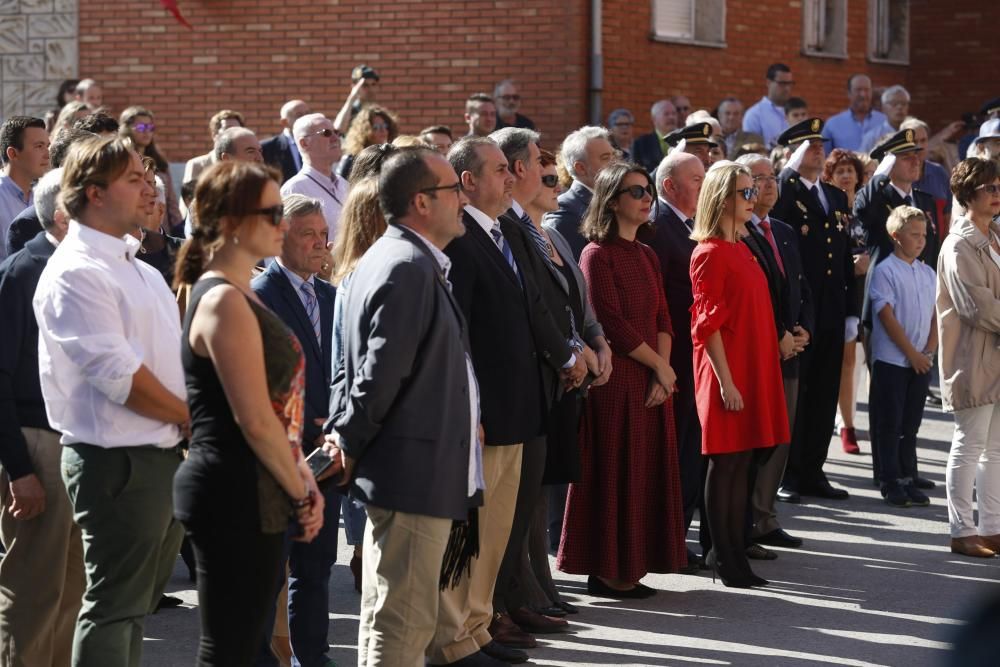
692 465
819 388
900 394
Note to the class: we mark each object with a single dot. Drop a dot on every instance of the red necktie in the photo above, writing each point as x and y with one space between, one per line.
765 224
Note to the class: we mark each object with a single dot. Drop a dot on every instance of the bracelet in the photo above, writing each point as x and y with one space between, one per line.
304 502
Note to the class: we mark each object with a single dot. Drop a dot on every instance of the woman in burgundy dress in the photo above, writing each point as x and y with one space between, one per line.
738 388
624 518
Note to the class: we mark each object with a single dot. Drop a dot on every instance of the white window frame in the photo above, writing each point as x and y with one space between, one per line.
815 29
880 32
693 39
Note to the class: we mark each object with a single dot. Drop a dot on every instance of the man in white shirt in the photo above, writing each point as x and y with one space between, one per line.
319 145
111 376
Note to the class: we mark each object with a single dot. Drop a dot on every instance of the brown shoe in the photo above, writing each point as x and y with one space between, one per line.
971 546
505 631
991 542
531 621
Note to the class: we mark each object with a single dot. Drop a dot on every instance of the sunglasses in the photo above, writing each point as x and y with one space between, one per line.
991 188
274 214
455 187
510 98
326 132
379 126
550 180
749 194
144 127
636 192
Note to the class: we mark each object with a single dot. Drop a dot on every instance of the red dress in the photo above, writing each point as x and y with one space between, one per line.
625 518
731 296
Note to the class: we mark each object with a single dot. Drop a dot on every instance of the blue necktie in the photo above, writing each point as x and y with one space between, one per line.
312 308
540 242
504 247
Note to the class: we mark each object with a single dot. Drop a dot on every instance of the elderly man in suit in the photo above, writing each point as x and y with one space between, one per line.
281 151
585 152
405 408
650 148
38 605
290 287
734 137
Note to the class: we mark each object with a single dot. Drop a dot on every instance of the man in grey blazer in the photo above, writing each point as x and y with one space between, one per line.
404 407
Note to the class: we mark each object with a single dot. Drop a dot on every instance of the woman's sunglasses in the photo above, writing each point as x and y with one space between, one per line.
637 192
550 180
748 194
274 214
144 127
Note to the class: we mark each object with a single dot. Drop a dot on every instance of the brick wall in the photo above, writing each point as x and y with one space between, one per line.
252 55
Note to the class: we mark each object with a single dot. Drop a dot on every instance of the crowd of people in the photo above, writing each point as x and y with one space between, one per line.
475 348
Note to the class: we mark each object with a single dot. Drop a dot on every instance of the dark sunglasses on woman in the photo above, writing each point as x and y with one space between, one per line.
637 192
748 193
274 214
550 180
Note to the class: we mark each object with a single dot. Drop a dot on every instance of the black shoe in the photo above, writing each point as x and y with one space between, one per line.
729 579
923 483
693 563
600 589
757 552
567 607
895 494
497 651
934 401
645 591
483 659
553 611
916 496
168 602
788 495
825 490
779 538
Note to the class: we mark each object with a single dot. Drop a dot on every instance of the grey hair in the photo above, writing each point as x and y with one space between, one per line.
464 154
225 141
515 142
505 82
750 159
302 124
659 104
298 206
667 166
46 195
892 91
574 147
84 86
161 190
618 114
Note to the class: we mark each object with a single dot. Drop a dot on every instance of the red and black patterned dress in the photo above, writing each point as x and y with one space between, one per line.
624 518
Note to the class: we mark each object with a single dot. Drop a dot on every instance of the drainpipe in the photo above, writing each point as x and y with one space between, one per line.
596 63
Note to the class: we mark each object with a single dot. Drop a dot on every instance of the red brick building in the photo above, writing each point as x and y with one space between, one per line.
252 55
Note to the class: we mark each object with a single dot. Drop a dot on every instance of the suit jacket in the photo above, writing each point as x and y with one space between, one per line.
21 402
761 250
798 296
400 402
196 165
872 206
508 334
741 138
277 293
278 153
824 247
567 219
24 227
646 152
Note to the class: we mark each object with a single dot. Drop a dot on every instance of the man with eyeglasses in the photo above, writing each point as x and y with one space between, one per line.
620 124
437 137
508 101
818 211
767 116
319 144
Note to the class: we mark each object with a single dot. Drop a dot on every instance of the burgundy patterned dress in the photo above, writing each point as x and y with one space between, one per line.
624 518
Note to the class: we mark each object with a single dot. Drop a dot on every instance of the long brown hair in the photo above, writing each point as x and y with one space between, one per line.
361 224
359 136
227 193
600 223
125 129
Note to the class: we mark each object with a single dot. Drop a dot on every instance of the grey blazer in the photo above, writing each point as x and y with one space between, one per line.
591 327
400 401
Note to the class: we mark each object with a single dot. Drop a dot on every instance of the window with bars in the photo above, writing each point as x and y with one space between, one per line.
692 21
824 28
889 31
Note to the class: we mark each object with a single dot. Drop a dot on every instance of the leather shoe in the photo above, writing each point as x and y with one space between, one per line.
567 607
825 490
991 542
787 495
553 611
600 589
971 546
757 552
923 483
531 621
779 538
503 630
483 659
506 654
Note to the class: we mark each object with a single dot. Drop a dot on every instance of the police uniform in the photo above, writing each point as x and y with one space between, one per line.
825 249
696 134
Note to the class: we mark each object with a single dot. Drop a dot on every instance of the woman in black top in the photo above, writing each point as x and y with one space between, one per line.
245 477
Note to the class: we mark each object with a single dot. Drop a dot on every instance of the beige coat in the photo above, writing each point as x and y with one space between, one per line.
968 314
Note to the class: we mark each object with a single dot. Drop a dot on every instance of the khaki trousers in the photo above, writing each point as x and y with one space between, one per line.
41 576
465 611
400 571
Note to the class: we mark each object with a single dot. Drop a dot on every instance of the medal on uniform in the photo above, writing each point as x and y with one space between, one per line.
840 225
805 230
802 207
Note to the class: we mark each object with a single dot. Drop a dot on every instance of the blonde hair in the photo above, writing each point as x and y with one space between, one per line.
361 224
717 188
901 216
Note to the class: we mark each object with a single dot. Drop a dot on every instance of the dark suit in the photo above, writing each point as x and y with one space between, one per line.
762 253
647 153
277 152
309 563
567 219
872 206
24 227
824 247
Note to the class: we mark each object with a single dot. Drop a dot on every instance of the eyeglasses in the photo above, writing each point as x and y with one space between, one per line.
636 192
144 127
275 214
765 178
379 126
991 188
550 180
624 123
326 132
749 194
510 98
455 187
783 83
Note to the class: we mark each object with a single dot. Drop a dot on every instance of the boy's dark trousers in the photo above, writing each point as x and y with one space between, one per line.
899 394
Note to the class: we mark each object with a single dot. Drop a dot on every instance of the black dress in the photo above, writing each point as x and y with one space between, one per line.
233 510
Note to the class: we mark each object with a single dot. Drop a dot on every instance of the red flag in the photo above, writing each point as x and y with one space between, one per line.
171 6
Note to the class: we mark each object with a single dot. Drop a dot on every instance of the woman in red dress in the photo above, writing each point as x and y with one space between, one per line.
738 386
624 518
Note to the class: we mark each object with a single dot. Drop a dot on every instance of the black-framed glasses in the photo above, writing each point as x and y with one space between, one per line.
749 194
274 214
550 180
991 188
637 192
455 187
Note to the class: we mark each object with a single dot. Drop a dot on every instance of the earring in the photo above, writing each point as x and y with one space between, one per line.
236 239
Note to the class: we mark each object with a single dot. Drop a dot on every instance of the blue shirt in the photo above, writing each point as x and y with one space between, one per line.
843 131
12 201
766 119
909 289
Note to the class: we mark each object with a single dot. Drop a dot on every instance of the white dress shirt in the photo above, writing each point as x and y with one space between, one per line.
330 190
101 315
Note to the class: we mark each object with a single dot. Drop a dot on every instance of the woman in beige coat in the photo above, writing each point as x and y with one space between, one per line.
968 310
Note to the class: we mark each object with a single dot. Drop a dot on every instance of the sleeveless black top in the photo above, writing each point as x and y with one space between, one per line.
222 480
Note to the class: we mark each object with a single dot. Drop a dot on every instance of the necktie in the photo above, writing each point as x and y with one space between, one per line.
815 190
536 236
312 308
504 247
765 224
908 200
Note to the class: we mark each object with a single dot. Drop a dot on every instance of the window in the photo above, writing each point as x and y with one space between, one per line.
889 31
692 21
824 28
